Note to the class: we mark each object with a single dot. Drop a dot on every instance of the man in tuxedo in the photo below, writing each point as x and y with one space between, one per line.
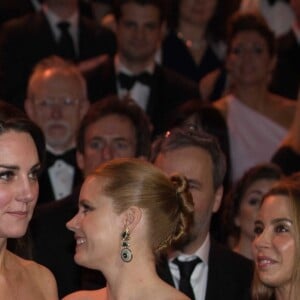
199 266
133 72
57 101
58 28
286 78
111 129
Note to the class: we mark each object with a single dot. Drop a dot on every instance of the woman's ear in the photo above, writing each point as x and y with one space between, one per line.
132 217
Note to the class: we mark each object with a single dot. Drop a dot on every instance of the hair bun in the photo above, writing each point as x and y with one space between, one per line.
180 183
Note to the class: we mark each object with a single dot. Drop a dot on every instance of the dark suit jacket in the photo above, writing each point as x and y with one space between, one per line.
53 245
10 9
286 78
26 40
229 274
168 90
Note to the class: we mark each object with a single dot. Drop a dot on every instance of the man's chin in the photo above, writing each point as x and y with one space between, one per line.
56 142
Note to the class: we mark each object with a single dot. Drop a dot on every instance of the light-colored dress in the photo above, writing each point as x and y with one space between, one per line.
253 137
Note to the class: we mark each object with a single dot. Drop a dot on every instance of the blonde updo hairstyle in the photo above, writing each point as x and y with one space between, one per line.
167 203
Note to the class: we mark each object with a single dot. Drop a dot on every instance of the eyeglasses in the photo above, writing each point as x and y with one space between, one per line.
65 102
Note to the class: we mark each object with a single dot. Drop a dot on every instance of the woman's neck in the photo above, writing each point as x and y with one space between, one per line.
253 96
191 31
285 293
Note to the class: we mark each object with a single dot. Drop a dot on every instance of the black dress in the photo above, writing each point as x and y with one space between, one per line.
176 56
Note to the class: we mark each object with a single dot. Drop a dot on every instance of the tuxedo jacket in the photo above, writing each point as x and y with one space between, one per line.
10 9
25 41
46 192
229 274
286 78
168 89
54 245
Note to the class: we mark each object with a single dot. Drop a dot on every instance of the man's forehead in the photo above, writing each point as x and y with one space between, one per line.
131 11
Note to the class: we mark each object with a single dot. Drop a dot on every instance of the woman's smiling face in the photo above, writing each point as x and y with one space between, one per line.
274 246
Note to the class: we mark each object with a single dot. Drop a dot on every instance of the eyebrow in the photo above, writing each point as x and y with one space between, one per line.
10 167
279 220
275 221
14 167
255 192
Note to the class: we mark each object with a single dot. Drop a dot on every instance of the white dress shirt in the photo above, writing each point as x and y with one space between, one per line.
139 92
61 175
199 275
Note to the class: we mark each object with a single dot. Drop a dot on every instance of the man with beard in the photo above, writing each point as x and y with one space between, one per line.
57 101
214 271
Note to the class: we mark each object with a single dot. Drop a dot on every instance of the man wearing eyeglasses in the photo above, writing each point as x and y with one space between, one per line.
57 101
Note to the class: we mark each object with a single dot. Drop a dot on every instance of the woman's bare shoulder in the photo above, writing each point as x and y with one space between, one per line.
87 295
32 277
40 276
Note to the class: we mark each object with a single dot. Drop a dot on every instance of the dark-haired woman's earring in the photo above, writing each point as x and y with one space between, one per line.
126 254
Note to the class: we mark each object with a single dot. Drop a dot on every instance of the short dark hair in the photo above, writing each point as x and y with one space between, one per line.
20 124
182 137
160 4
251 21
127 108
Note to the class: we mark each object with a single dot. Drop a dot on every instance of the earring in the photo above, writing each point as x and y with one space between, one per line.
126 254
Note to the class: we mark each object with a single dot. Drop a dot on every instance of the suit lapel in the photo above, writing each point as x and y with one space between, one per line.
163 271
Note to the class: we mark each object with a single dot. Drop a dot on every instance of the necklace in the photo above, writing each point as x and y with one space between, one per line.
196 45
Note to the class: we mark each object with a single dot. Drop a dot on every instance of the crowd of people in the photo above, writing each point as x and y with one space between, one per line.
149 149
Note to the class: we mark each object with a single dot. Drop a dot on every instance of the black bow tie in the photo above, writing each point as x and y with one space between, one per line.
69 157
127 81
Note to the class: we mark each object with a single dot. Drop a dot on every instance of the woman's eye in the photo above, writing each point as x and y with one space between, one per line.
85 208
258 230
34 175
6 175
254 201
281 228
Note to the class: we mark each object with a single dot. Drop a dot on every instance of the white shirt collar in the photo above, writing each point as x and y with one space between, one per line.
202 252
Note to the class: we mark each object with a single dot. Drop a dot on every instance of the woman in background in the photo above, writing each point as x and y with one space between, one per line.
242 204
257 120
276 247
194 44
